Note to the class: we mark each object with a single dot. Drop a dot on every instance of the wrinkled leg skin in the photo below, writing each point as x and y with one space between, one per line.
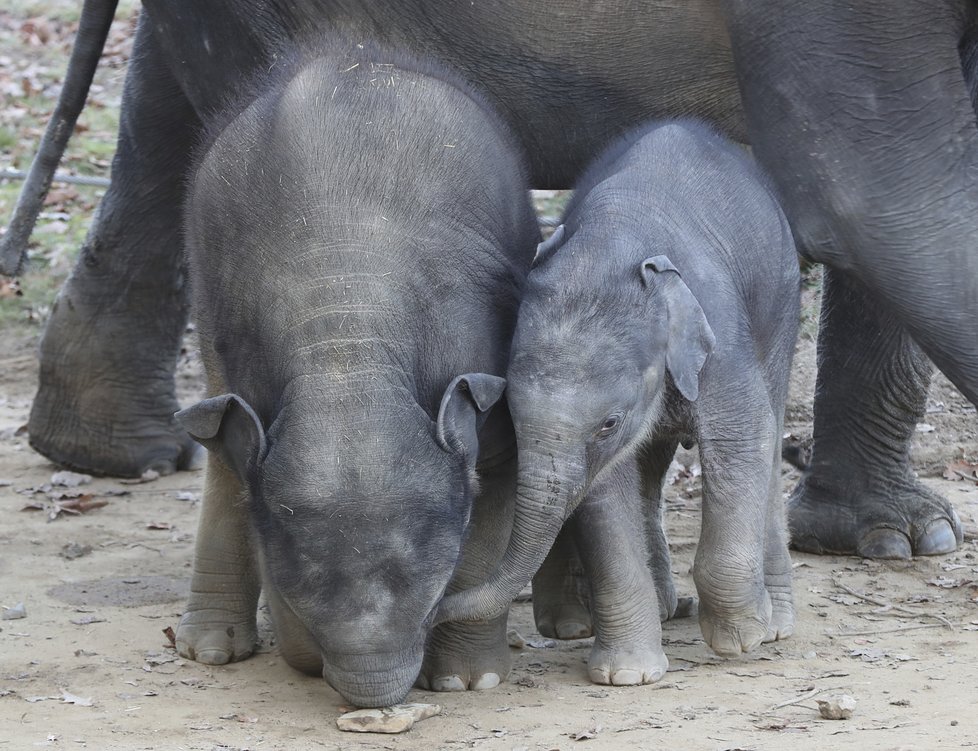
873 146
560 592
860 495
742 568
610 535
106 397
654 460
561 604
475 656
219 624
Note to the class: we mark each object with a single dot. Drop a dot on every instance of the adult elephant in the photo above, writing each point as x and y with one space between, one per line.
864 114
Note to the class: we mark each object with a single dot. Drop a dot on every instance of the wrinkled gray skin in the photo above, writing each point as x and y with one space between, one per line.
666 312
357 239
862 113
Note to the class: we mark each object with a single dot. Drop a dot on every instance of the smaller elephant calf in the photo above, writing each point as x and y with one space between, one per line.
663 311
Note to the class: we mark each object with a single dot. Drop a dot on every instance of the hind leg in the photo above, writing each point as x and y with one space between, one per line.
106 396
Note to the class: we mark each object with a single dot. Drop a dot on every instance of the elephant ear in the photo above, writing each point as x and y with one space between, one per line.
549 246
464 408
229 427
691 340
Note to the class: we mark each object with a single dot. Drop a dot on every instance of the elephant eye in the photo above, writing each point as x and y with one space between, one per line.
609 426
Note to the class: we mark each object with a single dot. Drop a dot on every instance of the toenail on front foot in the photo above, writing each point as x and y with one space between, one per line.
884 542
626 678
938 538
572 630
448 683
486 681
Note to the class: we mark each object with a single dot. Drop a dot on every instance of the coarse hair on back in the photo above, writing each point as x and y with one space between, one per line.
271 83
609 161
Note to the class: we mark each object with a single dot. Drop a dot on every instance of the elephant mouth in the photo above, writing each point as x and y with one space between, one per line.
373 680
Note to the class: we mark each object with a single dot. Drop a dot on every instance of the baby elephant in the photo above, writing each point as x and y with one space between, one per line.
663 311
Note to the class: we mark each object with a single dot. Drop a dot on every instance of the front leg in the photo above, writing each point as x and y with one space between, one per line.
609 530
219 623
475 656
739 446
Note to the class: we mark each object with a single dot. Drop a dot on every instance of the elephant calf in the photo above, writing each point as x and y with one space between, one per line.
663 311
358 240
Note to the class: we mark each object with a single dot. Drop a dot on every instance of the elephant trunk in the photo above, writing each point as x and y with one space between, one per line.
373 680
549 487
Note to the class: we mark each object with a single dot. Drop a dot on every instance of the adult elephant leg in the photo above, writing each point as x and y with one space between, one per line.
106 397
560 603
860 495
863 115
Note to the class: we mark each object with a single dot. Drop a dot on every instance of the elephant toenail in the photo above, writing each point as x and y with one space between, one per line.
626 678
884 542
938 538
448 683
486 681
573 630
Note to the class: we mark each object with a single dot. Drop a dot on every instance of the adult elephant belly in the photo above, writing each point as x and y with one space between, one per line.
568 76
576 74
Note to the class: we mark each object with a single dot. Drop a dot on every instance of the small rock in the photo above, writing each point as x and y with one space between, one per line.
12 614
396 719
73 550
68 479
515 639
837 708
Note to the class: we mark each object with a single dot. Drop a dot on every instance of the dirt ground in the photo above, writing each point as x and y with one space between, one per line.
89 665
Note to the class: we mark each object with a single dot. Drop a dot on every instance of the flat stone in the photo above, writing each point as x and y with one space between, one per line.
397 719
837 708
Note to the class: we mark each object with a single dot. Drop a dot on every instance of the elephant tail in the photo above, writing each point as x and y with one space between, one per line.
93 28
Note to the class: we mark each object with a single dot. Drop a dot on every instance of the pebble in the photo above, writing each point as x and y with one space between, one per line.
12 614
397 719
515 639
837 708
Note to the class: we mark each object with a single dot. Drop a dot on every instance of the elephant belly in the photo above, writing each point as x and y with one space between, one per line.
568 75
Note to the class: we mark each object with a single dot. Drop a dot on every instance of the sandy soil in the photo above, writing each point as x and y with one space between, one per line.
89 665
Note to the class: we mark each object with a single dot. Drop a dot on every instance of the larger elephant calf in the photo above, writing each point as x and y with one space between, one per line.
358 235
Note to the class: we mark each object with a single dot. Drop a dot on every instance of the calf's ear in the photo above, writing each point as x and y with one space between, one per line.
228 426
464 408
549 246
690 337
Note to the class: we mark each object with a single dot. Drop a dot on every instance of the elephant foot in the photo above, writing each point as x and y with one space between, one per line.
103 407
213 636
466 657
731 634
563 620
892 518
560 606
631 666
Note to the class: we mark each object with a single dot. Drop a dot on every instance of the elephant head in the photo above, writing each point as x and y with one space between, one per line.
359 507
602 328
